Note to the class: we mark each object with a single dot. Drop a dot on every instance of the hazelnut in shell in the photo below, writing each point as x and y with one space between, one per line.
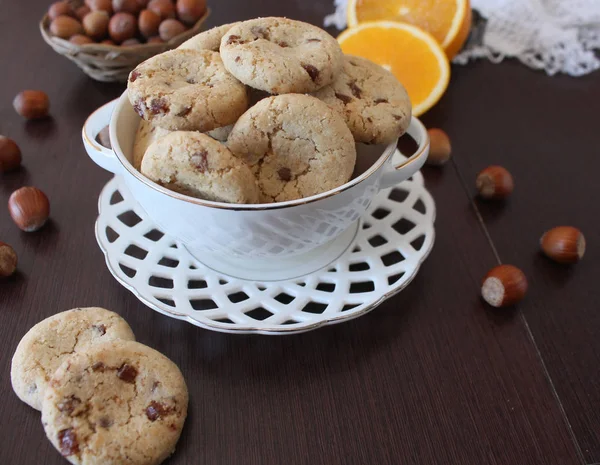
130 43
494 182
563 244
190 11
32 104
29 208
503 286
171 28
155 40
60 9
107 42
10 155
95 24
148 23
122 26
8 260
104 5
80 39
163 8
126 6
82 11
65 27
439 148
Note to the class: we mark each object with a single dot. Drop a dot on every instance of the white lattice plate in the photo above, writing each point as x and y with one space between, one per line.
386 251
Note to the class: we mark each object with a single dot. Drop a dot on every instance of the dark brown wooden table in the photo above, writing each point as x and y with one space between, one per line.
433 376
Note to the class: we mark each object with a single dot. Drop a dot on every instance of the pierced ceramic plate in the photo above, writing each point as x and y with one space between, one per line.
385 253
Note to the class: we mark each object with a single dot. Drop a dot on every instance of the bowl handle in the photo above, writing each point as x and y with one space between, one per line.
408 167
103 157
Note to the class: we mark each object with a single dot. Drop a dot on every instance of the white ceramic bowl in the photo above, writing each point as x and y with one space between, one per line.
275 230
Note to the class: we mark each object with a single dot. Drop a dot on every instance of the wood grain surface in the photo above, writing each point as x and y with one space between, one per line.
433 376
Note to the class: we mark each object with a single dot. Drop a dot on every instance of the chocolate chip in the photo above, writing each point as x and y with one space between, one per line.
381 100
98 366
346 99
158 105
127 373
186 111
283 44
105 422
313 40
156 410
312 71
369 119
238 59
285 174
233 39
155 385
173 427
32 388
190 81
69 404
67 441
139 108
134 75
397 118
356 91
199 160
100 329
260 32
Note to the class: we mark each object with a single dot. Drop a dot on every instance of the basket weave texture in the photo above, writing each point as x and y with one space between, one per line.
111 63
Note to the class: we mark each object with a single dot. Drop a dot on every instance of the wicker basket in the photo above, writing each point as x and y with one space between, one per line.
111 63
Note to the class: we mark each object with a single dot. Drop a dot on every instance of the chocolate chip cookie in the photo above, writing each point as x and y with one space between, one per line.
51 341
279 55
117 403
296 146
194 164
208 40
186 90
373 102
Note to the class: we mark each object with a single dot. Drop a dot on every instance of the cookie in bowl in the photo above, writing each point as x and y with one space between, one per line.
188 90
373 102
295 145
195 164
208 40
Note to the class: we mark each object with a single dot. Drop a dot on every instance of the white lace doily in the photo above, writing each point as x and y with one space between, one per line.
558 36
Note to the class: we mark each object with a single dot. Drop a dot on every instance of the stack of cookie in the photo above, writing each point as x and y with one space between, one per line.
266 110
104 397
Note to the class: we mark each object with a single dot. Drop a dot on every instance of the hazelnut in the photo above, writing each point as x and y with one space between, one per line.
65 27
130 43
163 8
170 28
29 208
440 148
503 286
60 9
82 11
142 3
107 42
32 104
8 260
95 24
494 182
80 39
10 155
190 11
122 26
148 23
104 5
563 244
126 6
155 40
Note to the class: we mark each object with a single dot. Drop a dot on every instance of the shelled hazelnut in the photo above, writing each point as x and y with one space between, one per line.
10 155
494 182
439 148
503 286
32 104
8 260
29 208
563 244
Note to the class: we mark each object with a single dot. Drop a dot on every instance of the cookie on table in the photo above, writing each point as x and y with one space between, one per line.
208 40
195 164
117 403
374 103
186 90
280 56
51 341
296 146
